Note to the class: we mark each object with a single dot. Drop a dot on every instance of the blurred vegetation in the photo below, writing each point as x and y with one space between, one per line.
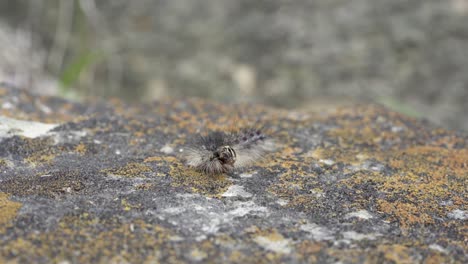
400 107
409 55
72 72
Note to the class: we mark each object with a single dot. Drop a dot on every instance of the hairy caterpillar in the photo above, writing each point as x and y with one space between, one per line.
221 152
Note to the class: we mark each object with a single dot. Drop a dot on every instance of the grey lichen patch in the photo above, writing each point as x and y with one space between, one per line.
130 170
23 147
40 158
44 184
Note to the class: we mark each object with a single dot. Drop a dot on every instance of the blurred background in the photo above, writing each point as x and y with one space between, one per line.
409 55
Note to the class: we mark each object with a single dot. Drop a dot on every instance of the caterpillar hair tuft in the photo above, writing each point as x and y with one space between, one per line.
222 152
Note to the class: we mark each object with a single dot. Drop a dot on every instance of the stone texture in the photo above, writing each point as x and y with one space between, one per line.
352 185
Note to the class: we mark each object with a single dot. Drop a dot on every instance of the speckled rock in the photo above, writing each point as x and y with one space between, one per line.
104 184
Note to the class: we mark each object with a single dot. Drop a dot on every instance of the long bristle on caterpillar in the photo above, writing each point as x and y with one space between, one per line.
221 152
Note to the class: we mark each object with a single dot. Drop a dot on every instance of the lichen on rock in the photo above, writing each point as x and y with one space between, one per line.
360 184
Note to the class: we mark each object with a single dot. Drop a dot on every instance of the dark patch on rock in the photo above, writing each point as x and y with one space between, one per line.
18 146
48 185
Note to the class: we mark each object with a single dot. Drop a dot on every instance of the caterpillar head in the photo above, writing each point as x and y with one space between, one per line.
221 160
225 155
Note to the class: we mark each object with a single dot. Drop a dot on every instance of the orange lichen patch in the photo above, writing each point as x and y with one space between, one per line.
275 245
424 177
132 242
436 162
271 235
368 126
448 139
127 206
182 176
353 255
37 151
141 134
8 210
139 129
318 153
38 102
159 159
353 156
382 254
371 113
290 152
179 141
396 253
210 185
459 200
286 162
407 200
224 240
349 134
422 189
407 214
130 170
306 202
370 179
186 120
136 141
32 145
307 250
172 162
200 115
449 242
197 255
301 189
3 91
237 256
144 186
108 127
288 184
81 148
40 159
437 258
235 122
201 250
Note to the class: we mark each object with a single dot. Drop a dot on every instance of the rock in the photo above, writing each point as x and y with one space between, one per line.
105 184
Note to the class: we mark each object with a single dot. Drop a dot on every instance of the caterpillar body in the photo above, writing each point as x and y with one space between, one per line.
221 152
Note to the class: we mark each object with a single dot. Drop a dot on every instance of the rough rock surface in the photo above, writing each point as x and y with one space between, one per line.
104 184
